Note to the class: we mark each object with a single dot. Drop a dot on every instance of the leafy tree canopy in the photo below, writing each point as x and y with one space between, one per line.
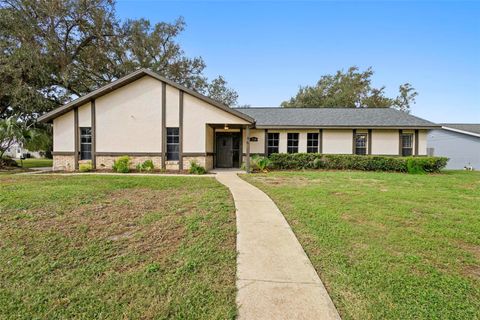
351 89
54 51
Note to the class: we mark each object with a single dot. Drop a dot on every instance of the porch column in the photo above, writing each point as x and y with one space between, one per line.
247 160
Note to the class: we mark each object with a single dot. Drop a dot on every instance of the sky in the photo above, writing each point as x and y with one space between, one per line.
267 49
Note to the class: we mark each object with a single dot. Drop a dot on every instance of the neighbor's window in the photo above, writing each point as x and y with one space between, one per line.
272 143
85 143
173 143
292 142
361 143
407 144
312 142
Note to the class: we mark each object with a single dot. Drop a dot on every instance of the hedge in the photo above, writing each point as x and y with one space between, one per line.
297 161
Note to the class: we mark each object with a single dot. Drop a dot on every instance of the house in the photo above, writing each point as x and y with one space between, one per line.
458 141
16 151
146 116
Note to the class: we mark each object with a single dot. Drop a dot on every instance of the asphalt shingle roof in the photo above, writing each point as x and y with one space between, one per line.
470 127
334 117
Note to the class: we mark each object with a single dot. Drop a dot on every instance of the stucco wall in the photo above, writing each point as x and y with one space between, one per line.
85 115
337 141
462 149
385 142
172 106
64 133
196 114
422 142
129 118
255 146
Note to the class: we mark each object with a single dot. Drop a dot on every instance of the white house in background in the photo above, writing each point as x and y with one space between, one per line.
458 141
16 150
146 116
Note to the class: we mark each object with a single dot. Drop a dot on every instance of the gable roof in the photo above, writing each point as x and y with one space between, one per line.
335 118
129 79
472 129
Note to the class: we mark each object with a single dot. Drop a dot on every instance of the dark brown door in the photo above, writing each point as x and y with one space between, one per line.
228 148
224 151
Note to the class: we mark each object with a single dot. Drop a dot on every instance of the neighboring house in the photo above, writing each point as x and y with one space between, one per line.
146 116
458 141
16 150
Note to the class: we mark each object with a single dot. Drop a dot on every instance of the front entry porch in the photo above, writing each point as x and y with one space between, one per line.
231 146
228 153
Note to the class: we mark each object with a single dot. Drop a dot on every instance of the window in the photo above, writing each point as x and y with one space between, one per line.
85 143
407 144
272 143
292 142
173 144
361 143
312 142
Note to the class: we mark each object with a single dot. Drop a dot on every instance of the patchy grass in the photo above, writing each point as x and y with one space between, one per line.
35 162
116 247
388 245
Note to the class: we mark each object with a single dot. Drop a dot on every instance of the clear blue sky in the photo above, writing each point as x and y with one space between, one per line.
267 49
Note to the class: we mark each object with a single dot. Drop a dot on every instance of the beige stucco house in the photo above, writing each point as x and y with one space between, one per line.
146 116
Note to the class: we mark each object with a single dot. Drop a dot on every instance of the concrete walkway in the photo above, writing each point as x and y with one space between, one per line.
275 278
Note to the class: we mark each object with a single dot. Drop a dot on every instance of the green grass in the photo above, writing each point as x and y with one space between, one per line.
388 245
35 162
113 247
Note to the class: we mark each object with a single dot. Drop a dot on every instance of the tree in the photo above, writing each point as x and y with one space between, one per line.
39 139
11 131
54 51
351 89
219 91
406 97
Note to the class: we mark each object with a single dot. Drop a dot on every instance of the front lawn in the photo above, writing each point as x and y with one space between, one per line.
388 245
35 162
113 247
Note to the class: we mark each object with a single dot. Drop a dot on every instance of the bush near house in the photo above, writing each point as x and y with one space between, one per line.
85 167
195 168
147 165
298 161
122 164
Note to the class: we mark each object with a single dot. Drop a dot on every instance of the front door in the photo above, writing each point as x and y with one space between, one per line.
227 150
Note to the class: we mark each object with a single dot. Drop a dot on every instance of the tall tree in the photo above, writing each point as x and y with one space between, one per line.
54 51
351 89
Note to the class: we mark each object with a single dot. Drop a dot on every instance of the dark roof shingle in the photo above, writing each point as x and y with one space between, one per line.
334 117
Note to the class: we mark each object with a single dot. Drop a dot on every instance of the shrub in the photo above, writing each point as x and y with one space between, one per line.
425 164
85 167
299 161
8 162
147 165
258 163
122 164
195 168
293 160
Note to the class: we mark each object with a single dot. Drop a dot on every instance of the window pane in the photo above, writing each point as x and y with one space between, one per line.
312 142
407 140
272 143
173 144
407 144
361 144
85 143
292 142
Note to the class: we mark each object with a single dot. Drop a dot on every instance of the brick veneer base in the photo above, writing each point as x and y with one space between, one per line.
204 161
67 163
106 162
63 163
